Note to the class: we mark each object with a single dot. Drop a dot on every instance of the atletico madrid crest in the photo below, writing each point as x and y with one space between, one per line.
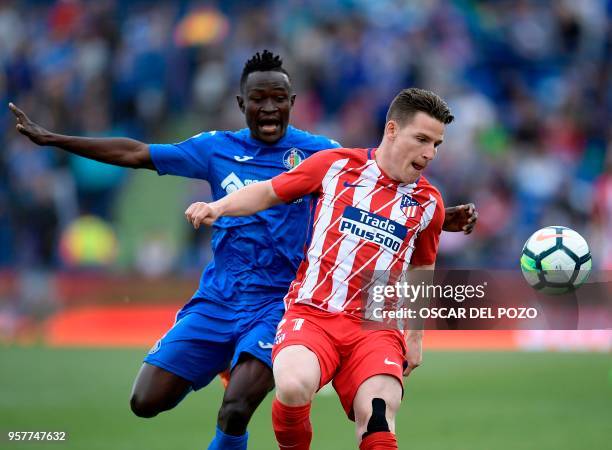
409 206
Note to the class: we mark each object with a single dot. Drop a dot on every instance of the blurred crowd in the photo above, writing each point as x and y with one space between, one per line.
529 82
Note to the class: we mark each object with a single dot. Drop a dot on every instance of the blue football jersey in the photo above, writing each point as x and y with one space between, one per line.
255 257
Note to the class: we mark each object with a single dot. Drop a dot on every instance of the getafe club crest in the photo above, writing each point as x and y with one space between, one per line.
409 206
293 157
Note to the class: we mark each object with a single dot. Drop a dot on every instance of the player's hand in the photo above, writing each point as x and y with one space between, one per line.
31 130
201 213
414 355
460 218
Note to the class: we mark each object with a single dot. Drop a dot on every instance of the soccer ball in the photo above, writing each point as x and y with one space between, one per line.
556 260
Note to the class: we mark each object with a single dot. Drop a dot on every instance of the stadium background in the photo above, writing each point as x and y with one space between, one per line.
94 260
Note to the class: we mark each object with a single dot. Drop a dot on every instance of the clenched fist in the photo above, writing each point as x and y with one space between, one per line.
460 218
200 213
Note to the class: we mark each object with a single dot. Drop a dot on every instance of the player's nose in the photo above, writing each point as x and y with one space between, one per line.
430 153
268 105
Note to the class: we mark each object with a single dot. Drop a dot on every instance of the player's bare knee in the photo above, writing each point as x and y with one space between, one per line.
235 415
294 389
143 407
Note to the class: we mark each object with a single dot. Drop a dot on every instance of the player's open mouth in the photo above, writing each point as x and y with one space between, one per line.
269 126
417 166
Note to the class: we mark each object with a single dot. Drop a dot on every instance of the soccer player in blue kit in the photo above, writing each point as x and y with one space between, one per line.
231 319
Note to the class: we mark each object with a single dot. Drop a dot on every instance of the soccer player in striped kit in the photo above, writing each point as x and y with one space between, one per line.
376 213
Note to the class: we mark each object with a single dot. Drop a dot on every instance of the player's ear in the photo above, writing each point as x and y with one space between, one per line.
240 101
391 129
292 99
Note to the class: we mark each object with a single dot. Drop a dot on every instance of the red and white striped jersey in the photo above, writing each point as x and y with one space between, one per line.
366 227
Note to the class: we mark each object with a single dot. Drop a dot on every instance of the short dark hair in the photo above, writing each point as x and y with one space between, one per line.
410 101
266 61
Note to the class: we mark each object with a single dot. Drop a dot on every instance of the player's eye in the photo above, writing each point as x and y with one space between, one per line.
281 98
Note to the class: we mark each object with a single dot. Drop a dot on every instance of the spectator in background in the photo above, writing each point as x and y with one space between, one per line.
532 80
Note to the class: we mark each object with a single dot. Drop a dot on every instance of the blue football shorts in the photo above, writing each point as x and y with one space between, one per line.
207 339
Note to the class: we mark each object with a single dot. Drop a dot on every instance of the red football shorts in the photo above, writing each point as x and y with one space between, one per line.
348 353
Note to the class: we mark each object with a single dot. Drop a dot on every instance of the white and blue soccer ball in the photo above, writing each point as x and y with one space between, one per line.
556 260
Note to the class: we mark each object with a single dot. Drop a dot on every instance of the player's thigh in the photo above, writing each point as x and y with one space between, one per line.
297 374
250 379
384 387
196 348
305 356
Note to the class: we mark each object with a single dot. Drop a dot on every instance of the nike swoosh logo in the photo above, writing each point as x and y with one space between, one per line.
542 237
391 363
265 345
349 185
242 158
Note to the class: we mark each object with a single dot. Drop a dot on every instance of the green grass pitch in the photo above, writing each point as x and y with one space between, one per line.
470 400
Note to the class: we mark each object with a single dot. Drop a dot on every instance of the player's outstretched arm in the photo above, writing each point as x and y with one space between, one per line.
460 218
118 151
243 202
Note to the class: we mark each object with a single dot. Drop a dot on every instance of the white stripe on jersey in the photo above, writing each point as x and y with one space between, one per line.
429 209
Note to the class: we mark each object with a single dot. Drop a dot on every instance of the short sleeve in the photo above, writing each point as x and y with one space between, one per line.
189 158
426 244
305 178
